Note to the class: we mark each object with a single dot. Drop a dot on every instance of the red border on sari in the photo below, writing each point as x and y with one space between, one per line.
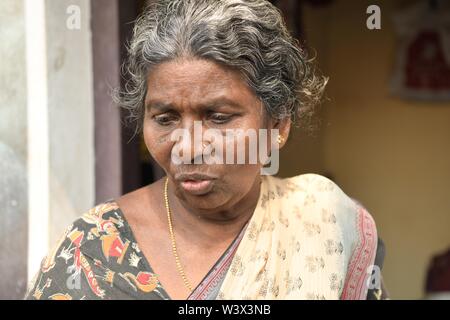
356 287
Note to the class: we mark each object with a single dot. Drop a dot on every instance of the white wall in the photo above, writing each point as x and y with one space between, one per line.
13 110
13 151
47 113
71 114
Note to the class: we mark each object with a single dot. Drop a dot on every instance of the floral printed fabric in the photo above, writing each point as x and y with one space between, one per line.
96 258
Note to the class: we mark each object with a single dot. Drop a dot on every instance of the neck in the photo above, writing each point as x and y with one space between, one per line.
215 226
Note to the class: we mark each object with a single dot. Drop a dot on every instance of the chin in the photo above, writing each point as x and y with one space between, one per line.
208 201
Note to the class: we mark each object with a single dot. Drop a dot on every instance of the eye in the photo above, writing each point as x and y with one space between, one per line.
220 118
165 119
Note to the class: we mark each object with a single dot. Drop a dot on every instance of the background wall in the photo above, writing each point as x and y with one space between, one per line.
46 131
13 151
13 76
391 154
71 114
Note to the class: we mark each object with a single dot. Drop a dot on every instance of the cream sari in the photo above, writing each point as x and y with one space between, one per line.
306 240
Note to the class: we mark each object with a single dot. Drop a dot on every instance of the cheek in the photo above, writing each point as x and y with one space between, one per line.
251 146
158 145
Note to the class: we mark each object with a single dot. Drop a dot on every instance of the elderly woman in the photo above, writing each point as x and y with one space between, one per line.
216 230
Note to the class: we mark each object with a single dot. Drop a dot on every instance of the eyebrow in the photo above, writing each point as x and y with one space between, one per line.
158 105
212 104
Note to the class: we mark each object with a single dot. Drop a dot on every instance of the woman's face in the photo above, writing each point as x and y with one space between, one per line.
193 93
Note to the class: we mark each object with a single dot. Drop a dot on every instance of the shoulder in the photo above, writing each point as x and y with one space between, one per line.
317 195
343 220
320 200
65 256
104 217
317 191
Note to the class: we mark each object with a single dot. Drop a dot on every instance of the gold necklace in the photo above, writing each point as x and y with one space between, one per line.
172 238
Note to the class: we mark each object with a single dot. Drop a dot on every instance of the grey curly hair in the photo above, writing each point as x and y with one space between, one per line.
247 35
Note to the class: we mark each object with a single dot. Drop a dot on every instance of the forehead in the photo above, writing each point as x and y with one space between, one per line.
196 81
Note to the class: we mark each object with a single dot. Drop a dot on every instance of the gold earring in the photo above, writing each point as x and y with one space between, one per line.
280 139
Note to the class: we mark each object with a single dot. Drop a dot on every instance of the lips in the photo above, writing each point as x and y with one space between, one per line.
196 183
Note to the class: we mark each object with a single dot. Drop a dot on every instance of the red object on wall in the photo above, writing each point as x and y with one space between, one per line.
438 277
426 66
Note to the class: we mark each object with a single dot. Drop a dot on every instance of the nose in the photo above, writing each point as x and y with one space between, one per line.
190 143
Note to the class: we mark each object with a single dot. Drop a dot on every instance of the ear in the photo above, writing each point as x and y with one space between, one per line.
284 127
